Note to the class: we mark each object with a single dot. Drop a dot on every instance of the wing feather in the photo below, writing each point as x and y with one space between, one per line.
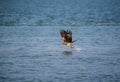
67 35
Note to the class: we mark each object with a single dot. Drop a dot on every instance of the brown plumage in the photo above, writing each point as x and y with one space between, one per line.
67 37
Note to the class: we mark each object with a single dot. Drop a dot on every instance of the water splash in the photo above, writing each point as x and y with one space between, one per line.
77 48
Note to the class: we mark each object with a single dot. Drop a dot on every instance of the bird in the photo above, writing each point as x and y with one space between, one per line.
67 38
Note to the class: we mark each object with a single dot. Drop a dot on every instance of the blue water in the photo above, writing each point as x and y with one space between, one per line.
35 54
30 43
59 12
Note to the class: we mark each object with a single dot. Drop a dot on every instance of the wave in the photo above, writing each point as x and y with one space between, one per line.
14 23
67 13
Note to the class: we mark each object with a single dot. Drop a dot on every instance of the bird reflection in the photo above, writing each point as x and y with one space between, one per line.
67 52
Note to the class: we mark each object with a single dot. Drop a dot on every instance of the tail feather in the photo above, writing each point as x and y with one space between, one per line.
74 41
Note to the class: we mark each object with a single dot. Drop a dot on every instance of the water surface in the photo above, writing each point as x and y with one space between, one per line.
35 54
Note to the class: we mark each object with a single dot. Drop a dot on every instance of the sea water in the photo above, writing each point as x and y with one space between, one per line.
35 54
30 42
59 12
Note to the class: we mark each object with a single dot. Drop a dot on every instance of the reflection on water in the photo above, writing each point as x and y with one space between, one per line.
67 52
34 54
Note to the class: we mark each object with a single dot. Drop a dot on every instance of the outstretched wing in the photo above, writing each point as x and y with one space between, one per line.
66 35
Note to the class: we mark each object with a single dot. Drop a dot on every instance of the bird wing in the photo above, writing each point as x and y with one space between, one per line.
67 35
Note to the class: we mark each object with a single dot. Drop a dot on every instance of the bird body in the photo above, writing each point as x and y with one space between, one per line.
67 38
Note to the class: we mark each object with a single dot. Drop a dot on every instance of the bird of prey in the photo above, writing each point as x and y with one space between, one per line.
67 38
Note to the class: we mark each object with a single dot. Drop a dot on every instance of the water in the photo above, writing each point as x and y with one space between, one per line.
30 43
35 54
59 12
